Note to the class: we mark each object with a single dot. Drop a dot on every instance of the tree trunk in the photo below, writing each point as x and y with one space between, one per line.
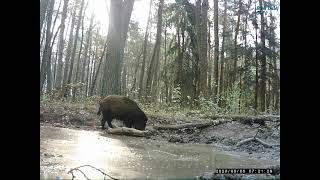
221 84
216 49
120 13
203 63
89 68
124 81
43 9
133 88
144 55
46 52
55 69
49 69
111 78
210 63
246 83
85 53
75 44
70 43
152 71
257 64
78 73
165 63
263 64
127 7
234 77
61 44
98 69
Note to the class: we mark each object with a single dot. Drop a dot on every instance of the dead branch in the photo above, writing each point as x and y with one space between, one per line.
254 139
248 119
272 118
127 131
191 125
77 169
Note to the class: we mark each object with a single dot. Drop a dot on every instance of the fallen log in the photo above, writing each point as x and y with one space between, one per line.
127 131
190 125
255 139
248 119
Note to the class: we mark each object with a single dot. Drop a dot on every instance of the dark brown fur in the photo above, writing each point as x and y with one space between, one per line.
124 109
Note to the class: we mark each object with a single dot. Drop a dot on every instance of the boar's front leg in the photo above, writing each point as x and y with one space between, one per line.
106 118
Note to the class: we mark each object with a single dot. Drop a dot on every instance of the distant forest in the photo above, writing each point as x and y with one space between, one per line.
218 53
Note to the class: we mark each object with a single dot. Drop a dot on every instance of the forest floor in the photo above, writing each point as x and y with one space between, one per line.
225 136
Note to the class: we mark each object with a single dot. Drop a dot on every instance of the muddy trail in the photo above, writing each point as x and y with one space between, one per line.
233 137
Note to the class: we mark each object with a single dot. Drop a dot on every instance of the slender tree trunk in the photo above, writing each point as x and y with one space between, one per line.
133 88
124 81
55 69
234 77
49 69
165 63
246 82
263 63
89 67
61 44
221 84
203 63
78 73
75 44
46 52
43 9
152 71
216 49
98 69
70 43
257 64
88 45
210 63
144 55
178 82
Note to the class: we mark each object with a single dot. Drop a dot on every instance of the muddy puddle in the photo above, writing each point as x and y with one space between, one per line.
126 157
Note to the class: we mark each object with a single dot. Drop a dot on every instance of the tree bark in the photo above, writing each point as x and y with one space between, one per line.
43 9
49 69
216 49
117 34
152 71
235 70
85 53
221 84
203 63
144 54
70 43
256 63
75 44
263 63
98 69
46 52
61 44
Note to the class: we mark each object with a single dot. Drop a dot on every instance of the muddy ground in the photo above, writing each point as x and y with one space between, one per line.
224 136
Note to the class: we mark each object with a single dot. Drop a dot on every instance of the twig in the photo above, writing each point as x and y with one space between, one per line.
77 169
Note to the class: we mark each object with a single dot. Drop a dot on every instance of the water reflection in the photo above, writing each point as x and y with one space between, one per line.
131 157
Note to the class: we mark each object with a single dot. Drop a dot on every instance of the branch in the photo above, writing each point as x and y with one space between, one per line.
127 131
77 169
191 125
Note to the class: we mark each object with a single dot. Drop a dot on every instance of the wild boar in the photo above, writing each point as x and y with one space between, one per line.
124 109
